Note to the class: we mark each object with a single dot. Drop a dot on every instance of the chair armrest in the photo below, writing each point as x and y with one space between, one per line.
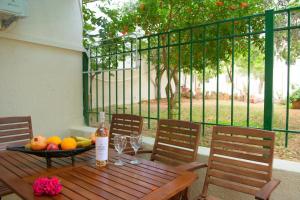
265 192
191 166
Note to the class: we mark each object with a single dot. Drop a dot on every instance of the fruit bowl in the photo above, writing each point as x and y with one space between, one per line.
48 154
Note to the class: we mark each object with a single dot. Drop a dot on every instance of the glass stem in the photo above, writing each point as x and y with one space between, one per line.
135 153
120 154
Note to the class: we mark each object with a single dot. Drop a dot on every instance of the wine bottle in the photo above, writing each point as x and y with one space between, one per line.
101 142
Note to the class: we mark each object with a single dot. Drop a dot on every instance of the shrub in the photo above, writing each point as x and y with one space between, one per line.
295 96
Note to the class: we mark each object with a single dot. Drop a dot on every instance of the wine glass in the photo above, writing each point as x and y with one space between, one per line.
120 142
136 142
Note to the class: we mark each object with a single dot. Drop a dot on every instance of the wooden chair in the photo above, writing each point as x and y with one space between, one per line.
176 143
125 124
14 131
241 160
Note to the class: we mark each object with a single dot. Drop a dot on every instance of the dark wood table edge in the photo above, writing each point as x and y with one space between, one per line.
24 190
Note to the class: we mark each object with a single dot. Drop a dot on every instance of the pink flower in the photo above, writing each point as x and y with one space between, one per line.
47 186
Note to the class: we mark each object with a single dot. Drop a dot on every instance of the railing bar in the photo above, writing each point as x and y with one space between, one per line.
203 79
218 66
232 77
286 28
91 84
191 75
106 70
109 86
140 76
288 79
131 81
248 80
201 41
97 100
102 87
168 76
149 72
124 79
116 84
179 71
158 77
207 40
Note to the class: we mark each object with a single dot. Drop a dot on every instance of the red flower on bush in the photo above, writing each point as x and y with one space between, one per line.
46 186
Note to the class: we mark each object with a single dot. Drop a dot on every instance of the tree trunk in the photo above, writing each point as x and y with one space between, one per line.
229 72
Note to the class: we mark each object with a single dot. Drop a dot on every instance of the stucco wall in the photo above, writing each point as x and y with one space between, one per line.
40 66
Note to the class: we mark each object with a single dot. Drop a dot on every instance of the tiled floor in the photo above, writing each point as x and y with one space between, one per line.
11 197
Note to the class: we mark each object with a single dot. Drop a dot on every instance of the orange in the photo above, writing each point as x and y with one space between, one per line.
54 140
68 144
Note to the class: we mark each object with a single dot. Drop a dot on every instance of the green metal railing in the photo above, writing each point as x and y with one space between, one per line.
186 51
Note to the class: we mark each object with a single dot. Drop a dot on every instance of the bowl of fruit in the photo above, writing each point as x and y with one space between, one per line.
55 147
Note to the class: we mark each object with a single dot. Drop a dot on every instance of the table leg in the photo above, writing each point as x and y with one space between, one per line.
73 160
48 162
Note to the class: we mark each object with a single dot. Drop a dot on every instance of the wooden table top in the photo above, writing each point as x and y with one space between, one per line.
148 180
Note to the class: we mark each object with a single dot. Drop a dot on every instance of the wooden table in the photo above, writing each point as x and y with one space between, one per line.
147 181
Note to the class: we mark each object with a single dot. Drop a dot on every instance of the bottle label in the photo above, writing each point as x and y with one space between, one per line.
101 148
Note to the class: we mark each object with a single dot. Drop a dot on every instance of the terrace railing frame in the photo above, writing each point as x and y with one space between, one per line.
132 46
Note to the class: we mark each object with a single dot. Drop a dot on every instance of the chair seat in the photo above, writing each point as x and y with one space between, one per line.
4 190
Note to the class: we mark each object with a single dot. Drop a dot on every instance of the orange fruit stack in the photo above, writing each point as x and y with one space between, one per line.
68 144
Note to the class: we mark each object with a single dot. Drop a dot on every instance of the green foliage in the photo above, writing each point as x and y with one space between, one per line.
295 96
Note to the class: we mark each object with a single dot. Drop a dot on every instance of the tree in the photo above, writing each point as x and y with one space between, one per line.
157 16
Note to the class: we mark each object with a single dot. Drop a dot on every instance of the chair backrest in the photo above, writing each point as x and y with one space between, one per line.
15 131
125 124
176 142
240 159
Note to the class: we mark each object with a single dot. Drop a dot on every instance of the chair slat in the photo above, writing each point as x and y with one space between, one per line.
14 132
175 150
126 128
13 126
179 130
18 119
14 138
241 164
265 143
244 132
179 123
232 186
174 136
237 179
239 147
240 171
176 143
241 155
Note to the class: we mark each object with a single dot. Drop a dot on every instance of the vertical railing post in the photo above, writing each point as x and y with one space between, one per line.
269 62
85 87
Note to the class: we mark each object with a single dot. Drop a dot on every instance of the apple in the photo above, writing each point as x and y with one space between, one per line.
52 147
38 143
244 5
219 3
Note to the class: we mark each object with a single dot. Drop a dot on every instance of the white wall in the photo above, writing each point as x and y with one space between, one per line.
41 65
